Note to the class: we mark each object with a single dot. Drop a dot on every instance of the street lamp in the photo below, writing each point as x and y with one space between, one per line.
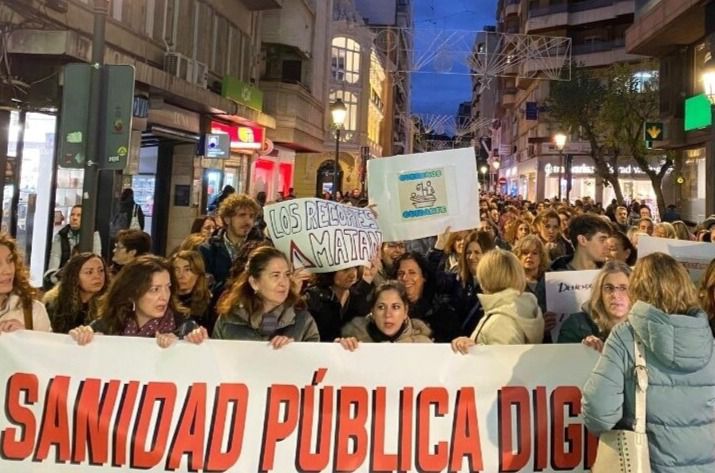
560 142
709 78
483 169
338 111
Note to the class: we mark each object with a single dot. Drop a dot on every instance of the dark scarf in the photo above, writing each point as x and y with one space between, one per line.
380 337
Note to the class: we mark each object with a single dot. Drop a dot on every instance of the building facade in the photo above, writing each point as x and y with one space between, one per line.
681 34
197 68
529 161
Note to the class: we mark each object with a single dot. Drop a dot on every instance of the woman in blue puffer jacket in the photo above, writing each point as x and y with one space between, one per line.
680 400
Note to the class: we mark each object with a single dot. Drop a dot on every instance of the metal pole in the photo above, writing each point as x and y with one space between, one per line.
91 170
337 164
561 168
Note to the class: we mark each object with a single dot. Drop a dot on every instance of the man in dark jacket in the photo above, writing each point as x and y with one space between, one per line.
589 235
238 213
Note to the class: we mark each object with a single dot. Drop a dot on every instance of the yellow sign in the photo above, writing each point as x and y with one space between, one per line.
653 131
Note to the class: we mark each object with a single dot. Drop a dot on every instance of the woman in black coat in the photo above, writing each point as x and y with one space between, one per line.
434 296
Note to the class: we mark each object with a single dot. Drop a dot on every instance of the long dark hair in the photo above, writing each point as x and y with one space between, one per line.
428 274
65 298
117 305
242 294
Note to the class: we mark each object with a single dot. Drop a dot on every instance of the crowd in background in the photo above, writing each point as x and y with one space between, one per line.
481 286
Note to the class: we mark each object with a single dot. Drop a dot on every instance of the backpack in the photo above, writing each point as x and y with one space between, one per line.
120 221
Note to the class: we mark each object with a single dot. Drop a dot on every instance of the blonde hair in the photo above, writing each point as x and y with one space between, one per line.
707 298
599 314
664 283
498 270
669 229
532 241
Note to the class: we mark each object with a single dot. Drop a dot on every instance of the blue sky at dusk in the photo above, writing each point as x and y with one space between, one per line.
442 93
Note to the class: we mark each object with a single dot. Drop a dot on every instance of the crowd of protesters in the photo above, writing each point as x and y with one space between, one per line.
484 286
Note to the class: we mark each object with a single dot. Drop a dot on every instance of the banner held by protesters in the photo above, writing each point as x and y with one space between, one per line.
419 195
323 236
306 407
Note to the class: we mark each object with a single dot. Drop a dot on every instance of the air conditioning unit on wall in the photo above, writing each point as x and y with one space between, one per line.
177 65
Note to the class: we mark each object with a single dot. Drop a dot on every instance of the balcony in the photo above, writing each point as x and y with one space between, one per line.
581 13
257 5
512 7
299 116
663 25
602 53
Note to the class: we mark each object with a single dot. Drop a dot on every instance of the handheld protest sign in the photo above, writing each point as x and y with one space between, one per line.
694 255
566 291
419 195
323 236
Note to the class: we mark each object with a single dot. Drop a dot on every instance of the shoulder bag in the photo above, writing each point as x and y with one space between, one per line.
626 451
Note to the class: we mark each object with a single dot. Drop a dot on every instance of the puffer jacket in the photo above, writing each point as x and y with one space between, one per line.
414 331
579 326
680 401
510 318
296 324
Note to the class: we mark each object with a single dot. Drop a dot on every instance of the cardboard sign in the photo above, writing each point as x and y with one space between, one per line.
323 236
566 291
694 255
419 195
305 407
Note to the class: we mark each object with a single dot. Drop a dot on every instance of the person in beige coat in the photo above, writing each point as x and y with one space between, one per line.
511 315
388 322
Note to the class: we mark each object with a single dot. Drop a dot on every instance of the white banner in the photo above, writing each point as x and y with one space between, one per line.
419 195
566 291
694 255
243 406
323 236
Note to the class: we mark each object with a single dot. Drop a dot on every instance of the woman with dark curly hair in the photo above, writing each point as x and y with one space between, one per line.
74 301
19 307
141 301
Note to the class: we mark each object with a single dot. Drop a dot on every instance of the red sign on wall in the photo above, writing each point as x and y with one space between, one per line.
242 137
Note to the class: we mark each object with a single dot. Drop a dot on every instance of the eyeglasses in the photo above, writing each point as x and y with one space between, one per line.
611 289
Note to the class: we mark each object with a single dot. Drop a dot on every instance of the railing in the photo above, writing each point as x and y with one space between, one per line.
572 7
598 46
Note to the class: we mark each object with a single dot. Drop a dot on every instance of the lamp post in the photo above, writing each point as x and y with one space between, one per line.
338 111
709 89
560 142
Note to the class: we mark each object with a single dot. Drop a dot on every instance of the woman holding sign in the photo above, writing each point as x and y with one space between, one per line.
262 306
677 346
388 322
141 302
608 306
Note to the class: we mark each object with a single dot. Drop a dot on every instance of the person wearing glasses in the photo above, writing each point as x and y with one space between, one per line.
608 306
130 245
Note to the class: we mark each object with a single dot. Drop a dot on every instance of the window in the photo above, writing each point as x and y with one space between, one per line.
644 80
350 100
345 62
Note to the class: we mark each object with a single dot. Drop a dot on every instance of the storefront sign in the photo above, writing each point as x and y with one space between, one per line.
419 195
243 93
216 145
585 169
566 291
242 137
323 236
305 407
694 255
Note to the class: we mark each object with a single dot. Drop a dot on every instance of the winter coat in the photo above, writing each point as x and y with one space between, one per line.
440 308
365 330
293 323
680 405
579 326
330 317
217 258
510 318
128 206
184 325
13 311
